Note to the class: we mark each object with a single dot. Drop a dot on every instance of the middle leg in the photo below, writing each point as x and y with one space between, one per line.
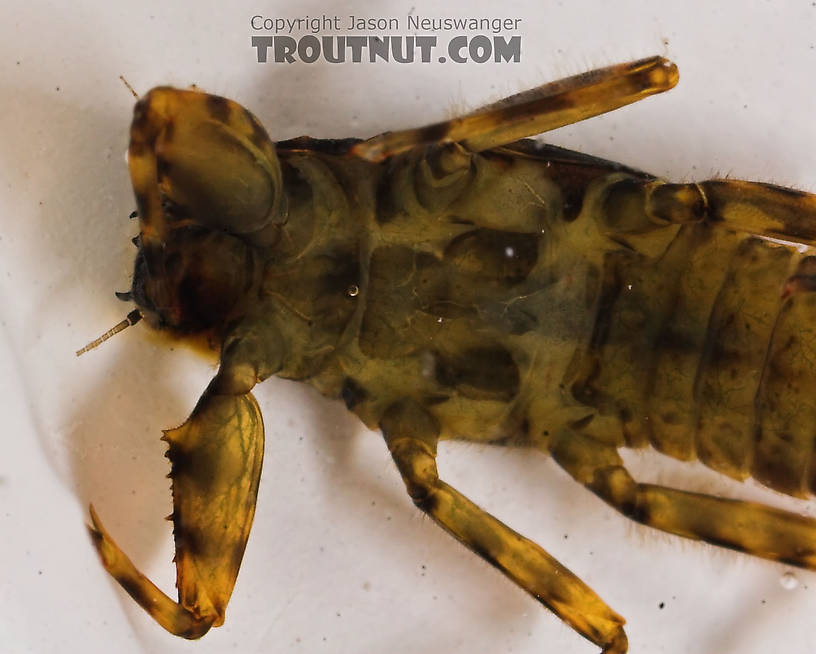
411 434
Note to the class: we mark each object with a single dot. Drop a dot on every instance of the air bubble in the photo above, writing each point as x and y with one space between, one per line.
788 581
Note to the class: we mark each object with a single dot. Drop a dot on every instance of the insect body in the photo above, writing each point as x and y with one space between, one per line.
454 282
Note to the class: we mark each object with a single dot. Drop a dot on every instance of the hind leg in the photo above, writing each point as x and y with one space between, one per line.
744 526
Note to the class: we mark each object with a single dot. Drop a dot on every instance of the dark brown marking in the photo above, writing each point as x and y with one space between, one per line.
352 393
338 147
427 502
807 266
804 552
787 560
249 269
135 590
720 353
731 545
137 149
637 511
624 208
169 130
434 133
387 209
259 137
182 462
583 389
678 203
579 424
343 271
577 164
189 538
672 340
483 552
437 398
484 372
671 418
236 556
458 220
141 116
791 193
218 107
572 202
142 202
509 440
163 167
593 285
611 286
196 467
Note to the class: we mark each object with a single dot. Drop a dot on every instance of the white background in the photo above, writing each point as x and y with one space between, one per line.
339 559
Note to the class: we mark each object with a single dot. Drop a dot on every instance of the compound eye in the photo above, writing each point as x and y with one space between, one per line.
212 175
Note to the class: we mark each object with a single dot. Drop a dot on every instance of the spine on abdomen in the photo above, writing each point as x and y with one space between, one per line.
699 354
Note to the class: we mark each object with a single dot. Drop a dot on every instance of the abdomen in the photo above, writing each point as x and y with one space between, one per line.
697 353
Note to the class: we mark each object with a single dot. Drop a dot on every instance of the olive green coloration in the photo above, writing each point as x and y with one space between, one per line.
454 282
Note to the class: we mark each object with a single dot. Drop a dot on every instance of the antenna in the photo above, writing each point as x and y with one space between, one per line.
130 88
131 319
